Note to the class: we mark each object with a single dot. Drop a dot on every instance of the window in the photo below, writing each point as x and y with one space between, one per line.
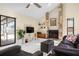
70 26
8 30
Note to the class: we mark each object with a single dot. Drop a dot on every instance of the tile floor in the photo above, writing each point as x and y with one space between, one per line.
34 45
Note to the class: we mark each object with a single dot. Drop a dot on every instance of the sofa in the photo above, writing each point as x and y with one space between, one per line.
71 50
16 51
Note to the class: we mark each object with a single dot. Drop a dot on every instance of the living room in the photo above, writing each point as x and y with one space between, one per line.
35 23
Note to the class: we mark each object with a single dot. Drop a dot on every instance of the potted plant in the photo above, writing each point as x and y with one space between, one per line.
21 34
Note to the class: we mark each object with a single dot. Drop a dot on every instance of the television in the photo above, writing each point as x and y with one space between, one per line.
29 29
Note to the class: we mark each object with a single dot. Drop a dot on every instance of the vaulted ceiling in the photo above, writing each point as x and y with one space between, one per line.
32 11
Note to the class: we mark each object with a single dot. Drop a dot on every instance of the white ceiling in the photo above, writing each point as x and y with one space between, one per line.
32 11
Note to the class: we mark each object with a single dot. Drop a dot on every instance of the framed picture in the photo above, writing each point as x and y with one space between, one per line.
70 26
53 22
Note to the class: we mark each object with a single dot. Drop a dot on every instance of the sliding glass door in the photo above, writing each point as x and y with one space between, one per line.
8 30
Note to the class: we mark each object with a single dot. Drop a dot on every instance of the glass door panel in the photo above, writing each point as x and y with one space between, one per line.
8 30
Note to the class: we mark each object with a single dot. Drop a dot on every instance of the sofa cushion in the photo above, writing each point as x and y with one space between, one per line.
77 46
77 41
23 53
66 44
10 51
66 51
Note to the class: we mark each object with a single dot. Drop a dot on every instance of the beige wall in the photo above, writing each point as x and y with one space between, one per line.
71 10
54 14
21 20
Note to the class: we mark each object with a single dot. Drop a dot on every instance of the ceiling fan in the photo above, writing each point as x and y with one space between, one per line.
36 4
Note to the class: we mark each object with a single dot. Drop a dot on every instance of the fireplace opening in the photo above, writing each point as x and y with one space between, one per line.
53 34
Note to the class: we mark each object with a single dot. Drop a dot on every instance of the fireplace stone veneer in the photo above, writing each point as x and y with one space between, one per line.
53 34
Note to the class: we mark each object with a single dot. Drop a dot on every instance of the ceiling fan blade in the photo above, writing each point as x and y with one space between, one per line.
37 5
28 5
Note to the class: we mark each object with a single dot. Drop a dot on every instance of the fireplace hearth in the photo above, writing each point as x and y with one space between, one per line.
53 34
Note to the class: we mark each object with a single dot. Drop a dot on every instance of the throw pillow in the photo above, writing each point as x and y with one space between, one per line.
71 38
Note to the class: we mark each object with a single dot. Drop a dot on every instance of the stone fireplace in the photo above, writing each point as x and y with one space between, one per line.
53 34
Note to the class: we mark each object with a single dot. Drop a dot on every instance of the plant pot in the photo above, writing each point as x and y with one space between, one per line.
20 41
23 41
